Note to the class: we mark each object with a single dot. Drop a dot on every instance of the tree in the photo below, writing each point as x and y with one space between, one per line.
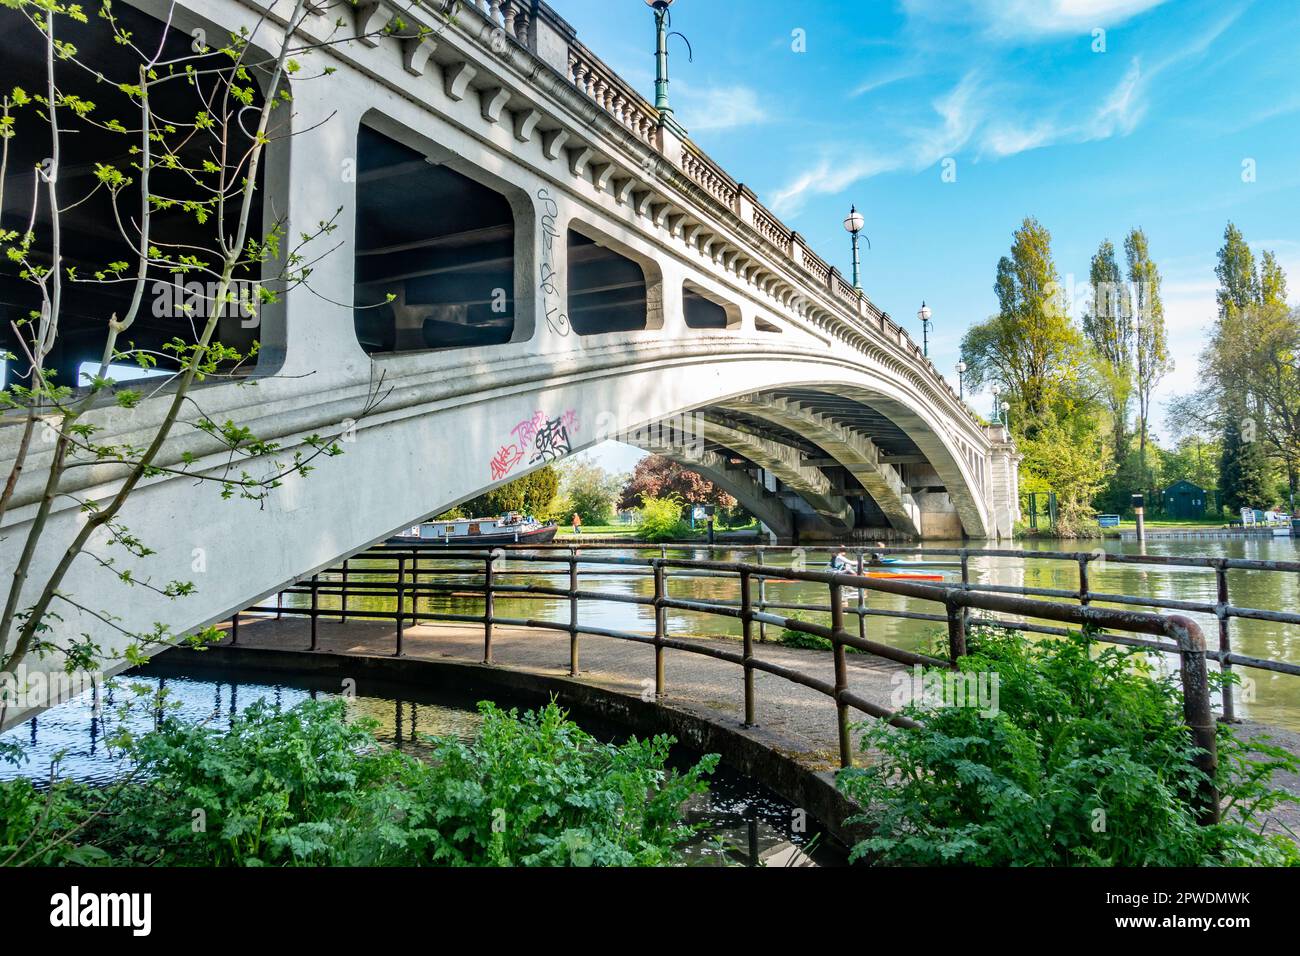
1108 327
1152 362
659 477
531 494
1031 347
200 165
1244 475
590 489
1056 461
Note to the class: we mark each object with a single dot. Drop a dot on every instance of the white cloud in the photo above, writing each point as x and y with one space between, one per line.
723 107
1029 19
828 176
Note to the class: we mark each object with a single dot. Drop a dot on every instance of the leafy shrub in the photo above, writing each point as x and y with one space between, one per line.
661 519
1086 762
307 787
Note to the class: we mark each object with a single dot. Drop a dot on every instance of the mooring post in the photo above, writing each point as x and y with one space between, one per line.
401 606
747 632
661 628
487 608
841 675
573 612
315 609
1225 640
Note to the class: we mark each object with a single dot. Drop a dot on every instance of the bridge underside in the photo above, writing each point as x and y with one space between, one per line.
813 465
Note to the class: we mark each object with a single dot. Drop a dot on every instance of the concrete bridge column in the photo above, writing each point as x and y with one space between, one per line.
311 178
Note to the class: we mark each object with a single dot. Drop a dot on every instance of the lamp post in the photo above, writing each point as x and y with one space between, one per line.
854 222
924 316
660 8
997 404
961 380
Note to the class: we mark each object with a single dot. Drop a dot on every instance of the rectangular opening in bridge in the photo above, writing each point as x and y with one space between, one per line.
98 228
607 291
703 310
435 253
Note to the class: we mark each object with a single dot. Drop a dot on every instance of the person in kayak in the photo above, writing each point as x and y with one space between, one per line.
840 563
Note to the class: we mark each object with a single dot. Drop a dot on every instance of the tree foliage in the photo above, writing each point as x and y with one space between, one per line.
532 494
658 477
591 491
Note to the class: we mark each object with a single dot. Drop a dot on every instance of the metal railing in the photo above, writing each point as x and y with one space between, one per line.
406 573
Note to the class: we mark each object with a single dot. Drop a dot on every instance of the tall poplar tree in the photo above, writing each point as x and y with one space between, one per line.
1151 361
1108 327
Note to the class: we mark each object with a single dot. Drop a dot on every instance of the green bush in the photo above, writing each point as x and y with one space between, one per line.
661 519
307 787
1086 761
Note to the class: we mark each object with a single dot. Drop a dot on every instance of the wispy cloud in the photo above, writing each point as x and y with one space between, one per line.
1029 19
722 107
828 176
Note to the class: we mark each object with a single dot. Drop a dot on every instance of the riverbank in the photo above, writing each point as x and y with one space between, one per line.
793 721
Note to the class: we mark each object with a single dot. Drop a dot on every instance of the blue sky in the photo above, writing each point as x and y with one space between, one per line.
1153 123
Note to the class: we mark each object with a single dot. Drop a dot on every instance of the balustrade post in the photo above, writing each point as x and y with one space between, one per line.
1225 641
401 606
573 613
488 611
661 625
315 611
747 632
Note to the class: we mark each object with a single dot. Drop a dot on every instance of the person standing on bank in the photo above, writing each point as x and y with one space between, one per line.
577 523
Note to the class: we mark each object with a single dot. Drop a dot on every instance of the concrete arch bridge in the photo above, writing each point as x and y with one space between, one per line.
564 266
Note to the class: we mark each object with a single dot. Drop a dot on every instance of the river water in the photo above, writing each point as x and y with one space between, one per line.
1267 697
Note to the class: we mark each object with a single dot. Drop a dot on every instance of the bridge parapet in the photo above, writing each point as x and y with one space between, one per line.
846 312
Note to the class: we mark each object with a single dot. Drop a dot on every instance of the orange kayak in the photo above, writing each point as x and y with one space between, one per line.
897 576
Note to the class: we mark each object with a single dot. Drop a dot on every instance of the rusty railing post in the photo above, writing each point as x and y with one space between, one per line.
1225 641
315 611
343 595
1085 596
1197 713
956 632
661 625
762 601
862 600
573 612
234 629
279 605
401 606
841 676
965 586
747 633
488 611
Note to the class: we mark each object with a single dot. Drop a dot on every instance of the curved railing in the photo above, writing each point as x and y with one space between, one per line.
404 574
